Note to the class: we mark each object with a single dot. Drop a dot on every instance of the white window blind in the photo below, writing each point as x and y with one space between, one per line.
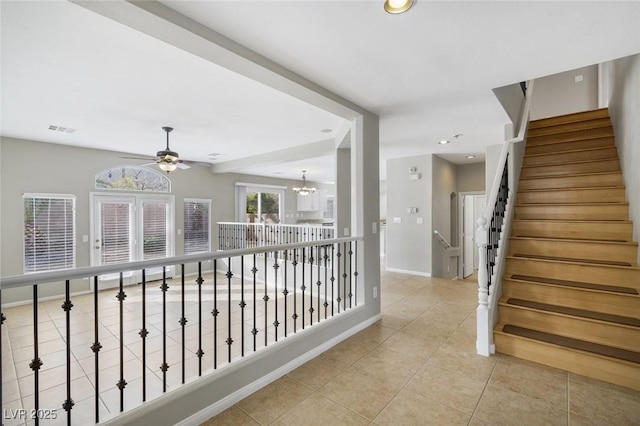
154 230
197 226
49 232
116 232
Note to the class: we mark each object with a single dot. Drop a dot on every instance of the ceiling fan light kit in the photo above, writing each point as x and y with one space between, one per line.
168 160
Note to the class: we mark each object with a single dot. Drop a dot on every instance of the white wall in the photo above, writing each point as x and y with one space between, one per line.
624 109
408 242
491 165
560 94
471 177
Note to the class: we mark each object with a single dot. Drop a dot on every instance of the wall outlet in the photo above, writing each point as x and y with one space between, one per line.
179 231
397 220
577 78
374 228
346 232
419 221
375 292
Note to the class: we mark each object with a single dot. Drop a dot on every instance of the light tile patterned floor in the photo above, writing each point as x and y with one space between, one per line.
418 366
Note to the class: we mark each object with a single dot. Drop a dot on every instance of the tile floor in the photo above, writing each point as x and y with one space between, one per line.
418 366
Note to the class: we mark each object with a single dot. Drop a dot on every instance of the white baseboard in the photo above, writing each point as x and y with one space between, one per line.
404 271
221 405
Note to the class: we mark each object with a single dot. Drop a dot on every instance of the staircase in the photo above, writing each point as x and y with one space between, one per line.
570 295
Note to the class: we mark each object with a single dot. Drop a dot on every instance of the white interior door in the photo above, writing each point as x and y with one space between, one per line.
128 229
468 237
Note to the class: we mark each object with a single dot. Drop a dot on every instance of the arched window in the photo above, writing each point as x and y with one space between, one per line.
132 178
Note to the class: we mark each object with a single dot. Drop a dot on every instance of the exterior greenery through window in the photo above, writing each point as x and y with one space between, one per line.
263 207
197 226
49 232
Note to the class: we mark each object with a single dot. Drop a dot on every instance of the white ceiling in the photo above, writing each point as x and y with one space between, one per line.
428 74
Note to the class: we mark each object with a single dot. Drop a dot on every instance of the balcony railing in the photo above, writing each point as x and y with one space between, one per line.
238 235
113 349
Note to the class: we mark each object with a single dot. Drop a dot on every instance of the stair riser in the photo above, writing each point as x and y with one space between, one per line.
551 148
612 371
569 127
596 301
571 169
600 132
574 230
600 195
570 118
577 328
594 274
565 182
568 212
612 252
566 157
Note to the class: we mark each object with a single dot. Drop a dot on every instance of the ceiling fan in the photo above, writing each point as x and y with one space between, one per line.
169 160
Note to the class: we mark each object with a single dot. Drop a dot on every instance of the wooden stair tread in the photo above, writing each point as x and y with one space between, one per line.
577 240
568 259
616 319
569 151
567 342
591 188
568 163
621 203
576 284
587 174
569 118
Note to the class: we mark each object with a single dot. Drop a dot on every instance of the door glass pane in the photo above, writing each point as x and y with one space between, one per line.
154 231
116 233
270 207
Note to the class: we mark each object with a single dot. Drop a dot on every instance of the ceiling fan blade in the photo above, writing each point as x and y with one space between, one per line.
183 166
197 163
139 158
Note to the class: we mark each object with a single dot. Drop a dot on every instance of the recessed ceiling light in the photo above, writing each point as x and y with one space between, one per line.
443 142
397 6
326 130
471 156
213 155
457 135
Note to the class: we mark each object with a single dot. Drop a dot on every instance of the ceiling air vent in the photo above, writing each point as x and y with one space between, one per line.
61 129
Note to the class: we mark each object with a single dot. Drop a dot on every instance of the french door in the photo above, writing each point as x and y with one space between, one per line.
129 228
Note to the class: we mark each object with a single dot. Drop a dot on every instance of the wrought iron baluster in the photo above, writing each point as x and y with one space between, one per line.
333 278
350 275
122 382
183 320
215 313
311 310
164 367
355 272
143 335
295 289
285 292
254 331
276 323
95 348
36 362
242 306
338 256
265 297
344 274
199 281
303 287
326 283
319 283
68 404
229 340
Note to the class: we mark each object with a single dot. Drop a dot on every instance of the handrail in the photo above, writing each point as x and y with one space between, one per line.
442 239
90 271
491 240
